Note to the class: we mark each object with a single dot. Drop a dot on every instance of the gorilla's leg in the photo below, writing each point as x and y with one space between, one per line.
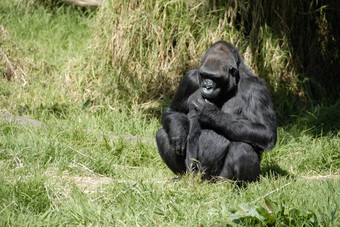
241 163
212 152
191 159
175 162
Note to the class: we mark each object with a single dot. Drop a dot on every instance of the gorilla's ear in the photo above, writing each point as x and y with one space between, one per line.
237 76
236 56
235 73
238 59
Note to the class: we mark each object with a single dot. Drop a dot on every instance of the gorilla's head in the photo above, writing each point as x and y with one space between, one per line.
218 73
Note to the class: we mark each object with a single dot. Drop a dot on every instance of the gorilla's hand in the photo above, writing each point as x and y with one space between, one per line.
205 110
178 140
176 125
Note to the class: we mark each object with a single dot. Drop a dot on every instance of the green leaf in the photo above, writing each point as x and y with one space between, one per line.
272 206
86 105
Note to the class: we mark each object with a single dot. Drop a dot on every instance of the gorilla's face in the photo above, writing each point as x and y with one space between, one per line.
218 74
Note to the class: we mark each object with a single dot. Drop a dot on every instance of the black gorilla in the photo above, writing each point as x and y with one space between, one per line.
220 120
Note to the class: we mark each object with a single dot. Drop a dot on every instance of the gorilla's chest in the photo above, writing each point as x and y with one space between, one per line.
233 106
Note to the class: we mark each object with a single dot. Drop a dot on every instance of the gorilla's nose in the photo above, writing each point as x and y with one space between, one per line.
208 86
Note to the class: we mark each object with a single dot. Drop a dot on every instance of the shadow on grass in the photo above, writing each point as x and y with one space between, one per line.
318 121
273 170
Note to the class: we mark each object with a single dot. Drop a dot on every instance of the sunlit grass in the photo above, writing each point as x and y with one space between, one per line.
74 172
65 174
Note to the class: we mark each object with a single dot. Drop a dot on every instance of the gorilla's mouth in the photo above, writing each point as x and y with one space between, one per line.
209 93
207 90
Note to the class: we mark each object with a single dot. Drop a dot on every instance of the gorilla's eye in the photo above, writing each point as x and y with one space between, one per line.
232 71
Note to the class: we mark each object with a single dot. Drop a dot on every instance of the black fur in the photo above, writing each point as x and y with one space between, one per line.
220 120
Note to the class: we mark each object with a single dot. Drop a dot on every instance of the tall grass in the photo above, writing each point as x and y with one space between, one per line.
152 42
141 49
155 42
143 43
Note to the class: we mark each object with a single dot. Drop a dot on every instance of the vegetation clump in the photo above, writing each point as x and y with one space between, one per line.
289 44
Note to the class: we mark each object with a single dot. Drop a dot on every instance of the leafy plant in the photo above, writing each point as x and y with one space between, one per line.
273 214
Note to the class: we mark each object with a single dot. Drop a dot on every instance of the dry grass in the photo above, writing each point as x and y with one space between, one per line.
86 3
12 68
145 47
151 43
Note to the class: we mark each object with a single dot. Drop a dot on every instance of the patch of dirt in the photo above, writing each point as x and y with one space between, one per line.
64 179
320 177
89 183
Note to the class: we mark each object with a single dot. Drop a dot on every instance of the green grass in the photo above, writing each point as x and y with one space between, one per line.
67 176
48 33
73 172
42 43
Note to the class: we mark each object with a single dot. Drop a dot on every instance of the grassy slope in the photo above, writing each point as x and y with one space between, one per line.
65 175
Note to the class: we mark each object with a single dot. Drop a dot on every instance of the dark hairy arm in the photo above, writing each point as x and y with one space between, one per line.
256 123
174 119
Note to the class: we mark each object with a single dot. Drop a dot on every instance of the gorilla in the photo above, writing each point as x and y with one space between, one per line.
220 120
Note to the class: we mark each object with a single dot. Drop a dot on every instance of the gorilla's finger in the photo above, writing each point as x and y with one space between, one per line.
172 148
178 148
183 150
207 101
203 102
198 104
177 145
183 146
195 105
173 144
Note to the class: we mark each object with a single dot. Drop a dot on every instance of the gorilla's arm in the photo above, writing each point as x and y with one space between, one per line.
186 88
256 125
174 120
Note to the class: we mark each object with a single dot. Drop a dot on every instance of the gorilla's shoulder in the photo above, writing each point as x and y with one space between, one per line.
252 80
253 86
191 77
191 74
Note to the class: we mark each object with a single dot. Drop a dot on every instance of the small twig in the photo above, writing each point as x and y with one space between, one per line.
269 193
304 177
121 192
320 177
90 170
85 3
130 167
9 63
81 153
24 75
7 206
